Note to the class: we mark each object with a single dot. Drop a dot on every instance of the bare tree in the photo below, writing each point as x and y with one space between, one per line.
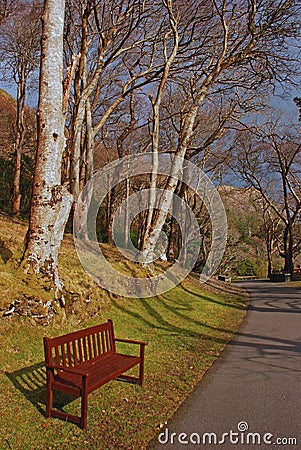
106 50
156 106
271 228
208 48
241 46
269 160
120 52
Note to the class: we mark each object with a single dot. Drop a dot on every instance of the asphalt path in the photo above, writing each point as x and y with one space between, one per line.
251 397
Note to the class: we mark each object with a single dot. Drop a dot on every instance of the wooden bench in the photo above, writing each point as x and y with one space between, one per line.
80 362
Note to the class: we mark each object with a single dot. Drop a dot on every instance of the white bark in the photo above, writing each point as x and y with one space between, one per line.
84 204
51 202
156 103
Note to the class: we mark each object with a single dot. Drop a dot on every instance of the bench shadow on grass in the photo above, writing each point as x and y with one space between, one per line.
31 382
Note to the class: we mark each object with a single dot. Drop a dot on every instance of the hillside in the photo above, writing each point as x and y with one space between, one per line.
246 253
7 123
83 295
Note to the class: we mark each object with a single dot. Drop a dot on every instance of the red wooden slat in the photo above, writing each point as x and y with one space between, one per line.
98 344
103 343
69 353
63 354
95 352
89 347
107 341
80 351
57 356
52 355
84 342
78 334
110 340
75 360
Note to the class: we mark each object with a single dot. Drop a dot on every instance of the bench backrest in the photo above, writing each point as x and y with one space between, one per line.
80 347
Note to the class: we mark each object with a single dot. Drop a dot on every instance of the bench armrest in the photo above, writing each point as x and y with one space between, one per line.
131 341
73 370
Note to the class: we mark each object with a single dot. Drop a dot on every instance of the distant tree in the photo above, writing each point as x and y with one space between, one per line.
269 160
271 229
19 52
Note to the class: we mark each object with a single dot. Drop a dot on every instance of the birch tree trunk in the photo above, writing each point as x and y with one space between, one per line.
86 173
176 168
51 201
156 104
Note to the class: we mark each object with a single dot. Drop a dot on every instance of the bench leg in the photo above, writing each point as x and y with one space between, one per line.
49 401
141 374
49 394
141 367
84 405
83 418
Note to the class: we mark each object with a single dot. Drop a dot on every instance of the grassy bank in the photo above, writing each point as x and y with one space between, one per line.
186 328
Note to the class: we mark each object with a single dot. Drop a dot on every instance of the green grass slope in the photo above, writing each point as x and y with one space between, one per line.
186 328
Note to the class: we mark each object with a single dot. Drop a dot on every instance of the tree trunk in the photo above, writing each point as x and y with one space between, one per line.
166 200
288 250
21 95
174 238
160 215
269 247
126 215
111 215
51 201
76 149
16 180
156 103
84 203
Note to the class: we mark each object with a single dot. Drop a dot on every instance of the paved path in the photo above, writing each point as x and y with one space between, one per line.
256 383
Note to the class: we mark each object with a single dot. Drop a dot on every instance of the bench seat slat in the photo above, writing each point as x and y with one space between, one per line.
111 368
99 372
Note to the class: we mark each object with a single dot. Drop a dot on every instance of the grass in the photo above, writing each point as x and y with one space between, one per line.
186 328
